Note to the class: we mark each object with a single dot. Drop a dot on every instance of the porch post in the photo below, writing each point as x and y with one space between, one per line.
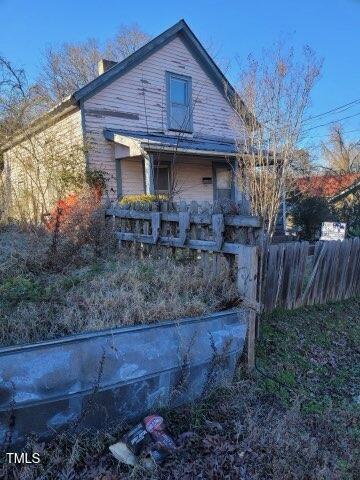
237 190
239 193
149 174
118 178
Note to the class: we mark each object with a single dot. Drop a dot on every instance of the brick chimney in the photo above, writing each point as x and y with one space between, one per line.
104 65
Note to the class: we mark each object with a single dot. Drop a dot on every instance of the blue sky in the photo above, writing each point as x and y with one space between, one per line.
233 28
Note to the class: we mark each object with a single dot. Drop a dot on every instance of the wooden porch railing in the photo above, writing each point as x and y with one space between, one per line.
193 226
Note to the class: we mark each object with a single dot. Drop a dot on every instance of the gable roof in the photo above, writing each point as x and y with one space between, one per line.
74 100
180 28
330 186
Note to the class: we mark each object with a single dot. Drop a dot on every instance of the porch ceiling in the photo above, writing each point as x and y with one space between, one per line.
141 143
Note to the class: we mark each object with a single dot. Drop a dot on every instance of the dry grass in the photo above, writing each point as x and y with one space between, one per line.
295 418
41 300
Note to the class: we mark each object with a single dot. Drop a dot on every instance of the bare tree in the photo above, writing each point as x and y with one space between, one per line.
67 69
45 167
341 156
17 100
40 168
73 65
275 94
127 40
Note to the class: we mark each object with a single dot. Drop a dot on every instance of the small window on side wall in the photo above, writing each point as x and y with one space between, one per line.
179 102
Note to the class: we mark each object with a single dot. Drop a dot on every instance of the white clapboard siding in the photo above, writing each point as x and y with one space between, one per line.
64 133
142 92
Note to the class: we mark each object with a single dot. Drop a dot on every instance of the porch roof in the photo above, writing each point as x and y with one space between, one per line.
140 142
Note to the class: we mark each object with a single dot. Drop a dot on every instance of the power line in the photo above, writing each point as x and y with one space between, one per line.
338 109
329 123
314 146
335 109
347 131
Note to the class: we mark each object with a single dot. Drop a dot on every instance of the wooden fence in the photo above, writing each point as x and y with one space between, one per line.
298 274
287 275
195 226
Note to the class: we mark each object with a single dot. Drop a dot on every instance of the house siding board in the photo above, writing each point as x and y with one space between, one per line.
67 132
143 89
132 176
189 173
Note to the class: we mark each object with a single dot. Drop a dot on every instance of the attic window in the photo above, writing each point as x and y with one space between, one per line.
179 102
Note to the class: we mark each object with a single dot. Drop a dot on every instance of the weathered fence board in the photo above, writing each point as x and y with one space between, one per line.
203 218
196 227
292 277
247 284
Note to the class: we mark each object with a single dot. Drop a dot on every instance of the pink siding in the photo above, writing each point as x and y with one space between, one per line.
188 175
132 176
63 138
212 114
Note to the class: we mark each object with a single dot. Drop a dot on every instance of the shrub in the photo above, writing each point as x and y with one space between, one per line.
97 179
78 223
309 213
350 214
142 198
19 288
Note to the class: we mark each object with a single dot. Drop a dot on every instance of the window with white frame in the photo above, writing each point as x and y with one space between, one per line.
179 102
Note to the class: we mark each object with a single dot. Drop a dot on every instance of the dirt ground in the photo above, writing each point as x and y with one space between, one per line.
296 417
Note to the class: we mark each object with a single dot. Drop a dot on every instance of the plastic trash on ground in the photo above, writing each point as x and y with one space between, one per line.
148 440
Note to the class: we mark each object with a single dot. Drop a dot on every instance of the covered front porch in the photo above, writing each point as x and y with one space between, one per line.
175 166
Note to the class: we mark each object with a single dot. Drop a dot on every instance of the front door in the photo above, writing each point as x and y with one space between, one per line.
223 182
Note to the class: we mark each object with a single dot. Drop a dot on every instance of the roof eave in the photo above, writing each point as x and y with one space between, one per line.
347 191
187 151
42 122
114 72
141 146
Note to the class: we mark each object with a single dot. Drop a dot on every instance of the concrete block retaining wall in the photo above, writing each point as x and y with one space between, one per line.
119 374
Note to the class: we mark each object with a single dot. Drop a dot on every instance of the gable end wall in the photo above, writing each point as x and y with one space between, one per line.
137 101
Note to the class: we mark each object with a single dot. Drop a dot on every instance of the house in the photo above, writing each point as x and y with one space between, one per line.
160 121
335 188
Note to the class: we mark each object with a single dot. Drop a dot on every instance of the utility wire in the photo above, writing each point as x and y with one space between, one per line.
347 131
339 109
335 109
329 123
